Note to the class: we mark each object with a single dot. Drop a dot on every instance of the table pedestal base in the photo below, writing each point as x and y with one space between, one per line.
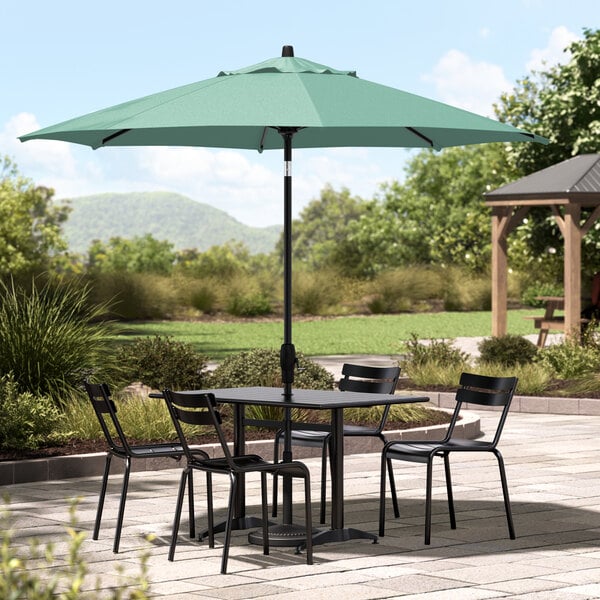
282 535
295 535
237 524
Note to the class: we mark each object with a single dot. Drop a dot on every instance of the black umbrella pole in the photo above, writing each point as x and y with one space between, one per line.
288 352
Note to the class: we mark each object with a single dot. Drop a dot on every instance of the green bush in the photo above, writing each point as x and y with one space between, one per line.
315 292
204 299
27 422
569 360
51 337
261 367
508 350
440 352
135 296
537 288
401 290
163 363
464 291
31 572
248 304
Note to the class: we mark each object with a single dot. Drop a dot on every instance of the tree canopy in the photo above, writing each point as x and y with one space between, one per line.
30 225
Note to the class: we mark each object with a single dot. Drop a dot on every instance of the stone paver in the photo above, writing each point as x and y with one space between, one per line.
553 468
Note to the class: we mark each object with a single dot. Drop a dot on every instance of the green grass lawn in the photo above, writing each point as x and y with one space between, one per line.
377 334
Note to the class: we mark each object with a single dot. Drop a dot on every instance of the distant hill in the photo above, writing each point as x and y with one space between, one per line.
166 216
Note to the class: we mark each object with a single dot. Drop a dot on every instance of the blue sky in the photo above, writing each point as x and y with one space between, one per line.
65 58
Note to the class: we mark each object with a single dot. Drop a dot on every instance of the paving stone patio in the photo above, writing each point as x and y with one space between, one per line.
553 468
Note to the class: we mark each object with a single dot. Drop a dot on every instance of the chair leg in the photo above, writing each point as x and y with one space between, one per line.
122 505
384 463
449 491
393 488
428 501
191 511
228 524
308 520
265 512
177 517
101 497
511 528
210 510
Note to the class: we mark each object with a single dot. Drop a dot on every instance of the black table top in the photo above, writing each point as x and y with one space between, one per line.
315 399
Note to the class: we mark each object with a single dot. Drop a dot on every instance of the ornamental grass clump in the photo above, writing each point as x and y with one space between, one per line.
51 337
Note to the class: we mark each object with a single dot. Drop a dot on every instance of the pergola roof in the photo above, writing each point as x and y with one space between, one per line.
566 188
576 179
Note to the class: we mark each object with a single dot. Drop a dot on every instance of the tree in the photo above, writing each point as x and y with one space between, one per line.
30 225
562 104
322 228
137 255
437 215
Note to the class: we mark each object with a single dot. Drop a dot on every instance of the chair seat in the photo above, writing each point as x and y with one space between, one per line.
418 450
252 462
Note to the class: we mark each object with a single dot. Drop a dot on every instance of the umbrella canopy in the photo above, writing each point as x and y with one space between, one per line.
271 104
246 109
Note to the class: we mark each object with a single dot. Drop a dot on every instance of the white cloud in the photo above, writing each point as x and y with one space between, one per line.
46 155
465 83
554 53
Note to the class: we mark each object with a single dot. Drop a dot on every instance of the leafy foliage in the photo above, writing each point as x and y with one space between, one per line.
26 421
51 337
163 363
30 225
569 360
438 352
437 216
507 350
136 255
36 575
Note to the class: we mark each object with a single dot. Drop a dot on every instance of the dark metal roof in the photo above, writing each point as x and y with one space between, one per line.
577 177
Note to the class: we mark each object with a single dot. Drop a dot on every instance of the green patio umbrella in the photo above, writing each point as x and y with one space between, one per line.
277 104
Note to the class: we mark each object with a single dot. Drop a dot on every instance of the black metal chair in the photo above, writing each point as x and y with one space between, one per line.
201 409
118 445
355 378
474 389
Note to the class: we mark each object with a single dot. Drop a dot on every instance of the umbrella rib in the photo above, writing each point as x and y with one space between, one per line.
112 136
420 135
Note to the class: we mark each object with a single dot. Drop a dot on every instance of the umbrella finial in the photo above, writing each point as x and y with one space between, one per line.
287 51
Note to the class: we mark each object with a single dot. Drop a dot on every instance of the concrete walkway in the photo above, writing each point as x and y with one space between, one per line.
553 468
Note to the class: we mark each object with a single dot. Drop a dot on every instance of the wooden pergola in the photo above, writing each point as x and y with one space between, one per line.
565 188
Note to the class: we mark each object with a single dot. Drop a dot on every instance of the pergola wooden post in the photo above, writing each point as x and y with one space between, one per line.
566 188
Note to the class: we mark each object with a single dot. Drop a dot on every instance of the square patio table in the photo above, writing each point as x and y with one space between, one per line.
335 401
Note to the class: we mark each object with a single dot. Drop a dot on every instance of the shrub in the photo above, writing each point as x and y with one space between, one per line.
248 304
463 291
261 367
508 350
163 363
27 422
400 290
440 352
569 360
135 296
51 337
315 292
537 288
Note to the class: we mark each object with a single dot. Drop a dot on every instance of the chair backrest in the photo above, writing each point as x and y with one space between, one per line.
106 412
196 409
374 380
371 380
484 391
